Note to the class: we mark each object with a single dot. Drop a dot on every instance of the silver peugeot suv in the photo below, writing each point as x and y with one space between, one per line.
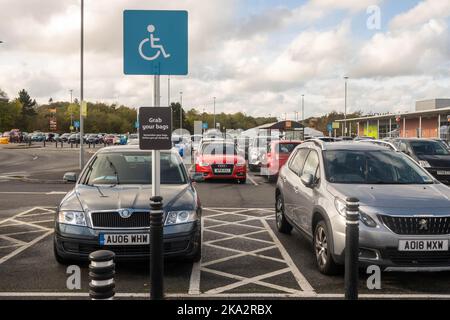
404 211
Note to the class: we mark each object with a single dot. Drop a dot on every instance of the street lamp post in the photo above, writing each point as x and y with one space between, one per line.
82 86
71 114
345 108
181 110
214 98
303 107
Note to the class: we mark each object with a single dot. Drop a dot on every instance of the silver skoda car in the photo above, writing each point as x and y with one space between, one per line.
108 208
404 211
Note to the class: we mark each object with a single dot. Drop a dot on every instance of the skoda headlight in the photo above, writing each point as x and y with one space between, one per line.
424 164
204 164
176 217
76 218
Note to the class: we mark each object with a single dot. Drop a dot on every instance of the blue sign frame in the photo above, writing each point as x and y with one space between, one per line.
155 42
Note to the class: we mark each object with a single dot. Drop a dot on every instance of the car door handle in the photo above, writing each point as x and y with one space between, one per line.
283 178
296 189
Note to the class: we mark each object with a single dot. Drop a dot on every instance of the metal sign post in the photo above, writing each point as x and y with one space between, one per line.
155 43
156 218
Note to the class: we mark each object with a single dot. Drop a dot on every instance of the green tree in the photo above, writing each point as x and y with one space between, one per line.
10 115
28 111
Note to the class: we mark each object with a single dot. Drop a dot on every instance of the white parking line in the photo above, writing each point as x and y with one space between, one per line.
194 281
22 248
304 284
252 180
24 245
34 192
226 295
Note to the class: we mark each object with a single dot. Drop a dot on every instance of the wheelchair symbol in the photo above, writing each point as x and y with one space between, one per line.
153 40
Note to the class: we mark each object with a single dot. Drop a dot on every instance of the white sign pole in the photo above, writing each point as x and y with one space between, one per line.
156 179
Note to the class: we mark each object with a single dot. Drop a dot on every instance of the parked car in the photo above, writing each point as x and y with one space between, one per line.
430 154
220 160
133 139
74 138
109 139
108 208
51 137
257 151
182 144
64 137
404 211
277 155
37 137
93 139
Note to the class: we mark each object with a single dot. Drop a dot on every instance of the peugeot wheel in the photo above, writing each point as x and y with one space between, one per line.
324 259
283 225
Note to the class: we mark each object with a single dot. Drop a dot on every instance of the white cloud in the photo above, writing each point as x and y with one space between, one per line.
421 13
234 56
420 50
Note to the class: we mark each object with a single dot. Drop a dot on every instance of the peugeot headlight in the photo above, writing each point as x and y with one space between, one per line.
76 218
424 164
340 206
176 217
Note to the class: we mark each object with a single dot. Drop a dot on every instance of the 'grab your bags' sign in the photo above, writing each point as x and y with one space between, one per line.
155 128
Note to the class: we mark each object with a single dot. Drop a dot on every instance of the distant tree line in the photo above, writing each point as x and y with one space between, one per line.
25 114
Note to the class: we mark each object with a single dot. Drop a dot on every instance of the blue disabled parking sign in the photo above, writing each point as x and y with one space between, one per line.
155 42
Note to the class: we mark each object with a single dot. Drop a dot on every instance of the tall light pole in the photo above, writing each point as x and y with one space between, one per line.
181 110
81 86
345 108
303 107
71 114
214 98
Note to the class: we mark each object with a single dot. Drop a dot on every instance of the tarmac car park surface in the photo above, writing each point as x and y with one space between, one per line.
243 255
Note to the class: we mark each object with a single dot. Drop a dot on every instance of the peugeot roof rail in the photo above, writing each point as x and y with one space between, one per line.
317 142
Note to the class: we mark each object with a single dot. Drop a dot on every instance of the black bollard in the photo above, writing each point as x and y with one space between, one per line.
44 142
56 144
101 275
156 249
71 145
351 249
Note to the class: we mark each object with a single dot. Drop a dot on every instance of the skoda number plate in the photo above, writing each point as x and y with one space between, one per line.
423 245
121 239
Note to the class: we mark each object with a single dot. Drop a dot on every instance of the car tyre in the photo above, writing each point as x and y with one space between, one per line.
322 250
283 225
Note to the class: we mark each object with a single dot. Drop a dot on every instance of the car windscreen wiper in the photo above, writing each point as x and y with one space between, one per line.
115 171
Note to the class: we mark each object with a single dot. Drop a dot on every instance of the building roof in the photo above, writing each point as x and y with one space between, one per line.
403 114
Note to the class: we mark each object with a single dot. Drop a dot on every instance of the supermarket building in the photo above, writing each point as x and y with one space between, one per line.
431 119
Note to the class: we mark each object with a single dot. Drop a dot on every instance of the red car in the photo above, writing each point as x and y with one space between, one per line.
220 160
277 155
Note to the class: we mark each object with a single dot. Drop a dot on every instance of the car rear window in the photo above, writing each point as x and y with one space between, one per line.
286 147
428 148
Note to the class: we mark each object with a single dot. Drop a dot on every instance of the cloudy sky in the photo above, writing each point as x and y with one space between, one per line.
255 56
